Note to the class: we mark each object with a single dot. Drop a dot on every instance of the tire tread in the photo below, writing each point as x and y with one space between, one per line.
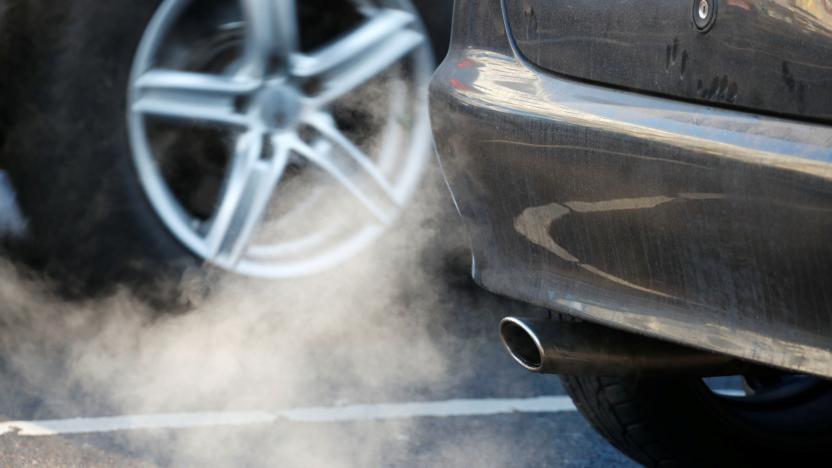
613 409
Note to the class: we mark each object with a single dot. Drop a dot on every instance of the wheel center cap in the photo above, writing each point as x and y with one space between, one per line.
279 107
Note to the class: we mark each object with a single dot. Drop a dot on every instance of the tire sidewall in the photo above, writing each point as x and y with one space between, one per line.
680 422
67 149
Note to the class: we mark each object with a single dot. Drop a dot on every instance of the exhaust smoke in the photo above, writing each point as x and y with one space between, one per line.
362 333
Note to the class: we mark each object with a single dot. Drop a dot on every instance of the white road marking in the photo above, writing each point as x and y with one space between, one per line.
479 407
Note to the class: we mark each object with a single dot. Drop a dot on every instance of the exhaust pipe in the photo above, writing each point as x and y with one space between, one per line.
551 346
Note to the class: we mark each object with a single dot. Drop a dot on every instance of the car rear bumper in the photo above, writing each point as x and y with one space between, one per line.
696 224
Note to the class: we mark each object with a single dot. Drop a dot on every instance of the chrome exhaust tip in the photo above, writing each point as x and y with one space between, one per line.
551 346
522 343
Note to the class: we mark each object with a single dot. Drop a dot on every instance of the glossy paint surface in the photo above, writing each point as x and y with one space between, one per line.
769 55
700 225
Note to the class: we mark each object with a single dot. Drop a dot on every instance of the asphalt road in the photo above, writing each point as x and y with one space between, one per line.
429 336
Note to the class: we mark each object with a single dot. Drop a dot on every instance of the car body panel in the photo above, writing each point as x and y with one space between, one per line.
767 55
704 226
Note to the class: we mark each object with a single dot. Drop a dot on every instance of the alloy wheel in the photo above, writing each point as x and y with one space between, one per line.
319 141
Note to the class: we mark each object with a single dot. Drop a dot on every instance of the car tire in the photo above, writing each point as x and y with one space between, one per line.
682 422
89 228
65 147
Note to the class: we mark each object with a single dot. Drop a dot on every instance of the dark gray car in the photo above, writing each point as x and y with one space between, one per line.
659 174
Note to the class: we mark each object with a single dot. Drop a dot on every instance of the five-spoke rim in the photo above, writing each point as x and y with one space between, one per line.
266 102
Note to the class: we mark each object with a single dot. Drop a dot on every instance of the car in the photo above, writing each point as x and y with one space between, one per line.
145 140
659 176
